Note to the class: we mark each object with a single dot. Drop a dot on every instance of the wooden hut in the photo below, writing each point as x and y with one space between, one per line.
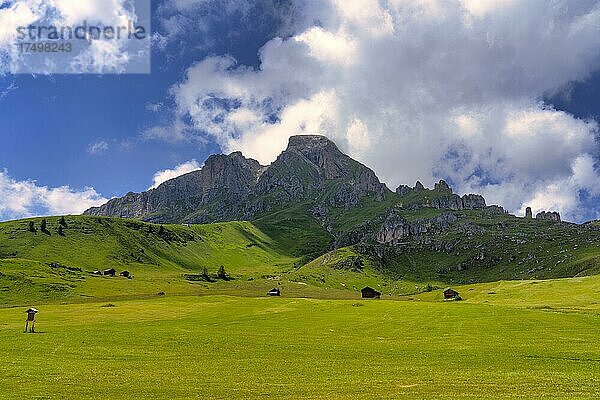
370 293
110 272
451 294
274 292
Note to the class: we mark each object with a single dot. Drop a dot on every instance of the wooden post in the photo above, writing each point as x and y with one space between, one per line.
30 318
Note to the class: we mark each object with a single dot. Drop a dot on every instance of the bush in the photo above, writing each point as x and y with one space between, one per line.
222 274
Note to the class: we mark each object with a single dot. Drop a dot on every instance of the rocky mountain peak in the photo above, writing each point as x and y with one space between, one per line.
307 143
322 153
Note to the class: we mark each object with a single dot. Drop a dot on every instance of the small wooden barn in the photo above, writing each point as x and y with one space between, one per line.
451 294
274 292
110 272
126 274
370 293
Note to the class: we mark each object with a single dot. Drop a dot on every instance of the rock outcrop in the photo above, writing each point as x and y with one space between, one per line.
442 187
473 201
548 215
441 196
395 228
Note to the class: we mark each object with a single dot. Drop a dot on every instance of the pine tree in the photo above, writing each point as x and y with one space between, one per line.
62 222
31 226
222 274
60 230
43 225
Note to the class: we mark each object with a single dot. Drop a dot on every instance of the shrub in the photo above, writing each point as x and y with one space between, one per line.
222 274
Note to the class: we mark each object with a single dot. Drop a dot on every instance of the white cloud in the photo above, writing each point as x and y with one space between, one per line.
97 55
423 90
97 148
167 174
20 199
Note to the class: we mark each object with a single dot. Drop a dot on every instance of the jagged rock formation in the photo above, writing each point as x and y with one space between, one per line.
232 187
442 187
308 164
224 178
528 213
440 196
548 215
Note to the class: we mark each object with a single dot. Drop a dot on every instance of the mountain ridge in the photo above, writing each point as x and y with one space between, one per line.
243 188
303 168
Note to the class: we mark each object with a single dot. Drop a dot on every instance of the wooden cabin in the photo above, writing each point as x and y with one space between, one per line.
451 294
274 292
370 293
110 272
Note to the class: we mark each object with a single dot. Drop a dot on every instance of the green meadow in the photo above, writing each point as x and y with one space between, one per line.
184 347
179 331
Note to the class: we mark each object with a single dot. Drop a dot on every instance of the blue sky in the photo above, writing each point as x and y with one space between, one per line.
50 122
399 86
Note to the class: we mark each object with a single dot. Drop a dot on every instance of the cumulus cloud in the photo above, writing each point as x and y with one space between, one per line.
167 174
94 55
419 90
21 199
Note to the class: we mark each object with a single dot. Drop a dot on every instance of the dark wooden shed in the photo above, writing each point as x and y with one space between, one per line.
370 293
110 272
274 292
451 294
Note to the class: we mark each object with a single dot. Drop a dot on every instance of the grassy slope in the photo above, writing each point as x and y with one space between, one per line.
157 261
297 233
227 347
331 271
559 295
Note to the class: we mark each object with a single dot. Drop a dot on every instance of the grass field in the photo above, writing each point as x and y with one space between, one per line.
516 346
164 335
